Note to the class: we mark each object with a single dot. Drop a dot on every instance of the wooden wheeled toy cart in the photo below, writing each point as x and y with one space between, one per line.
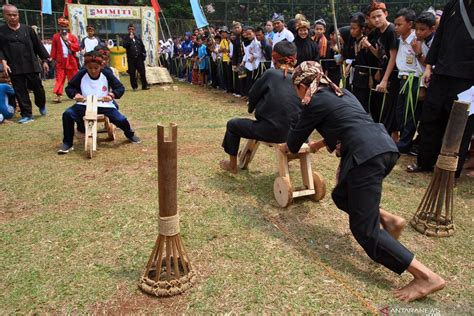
91 118
283 189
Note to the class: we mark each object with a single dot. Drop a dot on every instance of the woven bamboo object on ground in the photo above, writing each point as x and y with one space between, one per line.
434 216
158 75
168 271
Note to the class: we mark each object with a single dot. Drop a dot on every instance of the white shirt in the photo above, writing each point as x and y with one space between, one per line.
98 87
48 48
252 50
90 44
284 34
65 49
406 60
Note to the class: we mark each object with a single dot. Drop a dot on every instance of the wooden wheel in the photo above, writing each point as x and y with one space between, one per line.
283 191
319 186
89 147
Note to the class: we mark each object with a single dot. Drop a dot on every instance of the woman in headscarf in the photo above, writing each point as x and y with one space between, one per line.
368 154
307 49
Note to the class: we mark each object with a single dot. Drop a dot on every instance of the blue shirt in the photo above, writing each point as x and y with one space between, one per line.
202 53
5 108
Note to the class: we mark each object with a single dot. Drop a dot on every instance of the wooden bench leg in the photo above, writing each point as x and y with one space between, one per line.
246 155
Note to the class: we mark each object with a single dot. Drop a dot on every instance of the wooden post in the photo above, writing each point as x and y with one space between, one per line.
430 218
168 271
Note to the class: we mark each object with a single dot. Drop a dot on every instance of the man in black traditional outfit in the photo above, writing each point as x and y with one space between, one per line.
20 48
275 103
368 154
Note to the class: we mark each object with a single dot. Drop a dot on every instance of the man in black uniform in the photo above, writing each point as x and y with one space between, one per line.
20 48
136 55
452 55
275 103
368 154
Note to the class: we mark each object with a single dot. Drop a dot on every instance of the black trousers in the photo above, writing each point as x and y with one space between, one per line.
358 194
442 92
214 73
245 128
465 142
134 65
21 83
249 81
227 76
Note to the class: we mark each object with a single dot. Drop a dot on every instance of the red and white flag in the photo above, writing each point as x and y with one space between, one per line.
156 7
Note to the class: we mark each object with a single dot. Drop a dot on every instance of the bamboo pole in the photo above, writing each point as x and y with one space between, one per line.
434 216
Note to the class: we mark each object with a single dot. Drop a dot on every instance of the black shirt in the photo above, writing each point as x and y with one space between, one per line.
135 48
452 50
274 99
307 49
341 119
238 51
21 49
386 41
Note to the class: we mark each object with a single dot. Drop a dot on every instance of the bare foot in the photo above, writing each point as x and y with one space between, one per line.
393 224
424 283
226 165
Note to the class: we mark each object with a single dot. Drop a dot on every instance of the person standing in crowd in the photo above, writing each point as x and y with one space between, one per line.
332 66
269 31
307 48
252 58
187 51
409 73
281 32
386 51
224 49
449 71
89 42
438 15
360 74
320 38
203 61
7 97
20 61
136 55
266 47
237 56
63 51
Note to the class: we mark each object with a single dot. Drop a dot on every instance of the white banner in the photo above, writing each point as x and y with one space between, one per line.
113 12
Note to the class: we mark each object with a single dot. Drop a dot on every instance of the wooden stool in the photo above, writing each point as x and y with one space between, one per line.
313 182
90 122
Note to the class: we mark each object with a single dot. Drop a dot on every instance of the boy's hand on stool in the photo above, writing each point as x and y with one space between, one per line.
107 98
79 98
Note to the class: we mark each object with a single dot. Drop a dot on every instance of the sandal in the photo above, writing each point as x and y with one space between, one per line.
414 168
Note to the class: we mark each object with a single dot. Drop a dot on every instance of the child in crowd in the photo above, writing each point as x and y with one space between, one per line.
89 42
203 62
7 97
320 38
360 74
409 73
252 57
332 67
386 51
104 85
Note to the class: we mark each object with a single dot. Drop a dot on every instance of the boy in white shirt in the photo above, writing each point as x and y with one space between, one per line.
101 83
252 57
409 73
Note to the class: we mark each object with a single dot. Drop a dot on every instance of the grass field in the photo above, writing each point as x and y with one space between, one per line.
75 233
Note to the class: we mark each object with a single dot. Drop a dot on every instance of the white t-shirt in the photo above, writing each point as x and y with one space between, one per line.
90 44
65 49
284 34
98 87
406 60
252 50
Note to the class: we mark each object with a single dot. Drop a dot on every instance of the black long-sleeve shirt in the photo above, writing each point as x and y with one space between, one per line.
135 48
21 49
238 51
341 119
274 100
452 50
